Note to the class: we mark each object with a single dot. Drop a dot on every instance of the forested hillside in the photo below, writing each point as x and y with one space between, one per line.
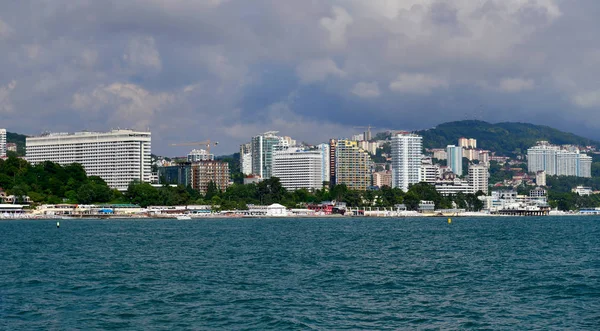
507 139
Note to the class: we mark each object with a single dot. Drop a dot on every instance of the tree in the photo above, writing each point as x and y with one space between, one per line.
211 191
339 192
142 193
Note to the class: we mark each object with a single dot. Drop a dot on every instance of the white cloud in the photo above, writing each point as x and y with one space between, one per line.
141 54
89 57
318 70
587 99
5 30
125 104
417 83
366 90
512 85
336 26
6 105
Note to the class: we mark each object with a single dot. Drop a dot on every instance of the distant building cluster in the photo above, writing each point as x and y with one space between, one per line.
396 160
555 160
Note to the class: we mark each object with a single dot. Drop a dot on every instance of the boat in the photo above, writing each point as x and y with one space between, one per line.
184 217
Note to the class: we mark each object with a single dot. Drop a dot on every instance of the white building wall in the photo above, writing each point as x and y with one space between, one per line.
119 156
2 142
429 173
478 178
406 159
246 166
585 166
297 169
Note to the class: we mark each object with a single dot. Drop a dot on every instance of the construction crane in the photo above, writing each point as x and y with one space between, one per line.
368 132
206 143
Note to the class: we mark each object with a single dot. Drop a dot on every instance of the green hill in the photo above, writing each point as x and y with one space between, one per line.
504 138
18 139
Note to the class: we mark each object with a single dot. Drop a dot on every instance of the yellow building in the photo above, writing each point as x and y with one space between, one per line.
353 165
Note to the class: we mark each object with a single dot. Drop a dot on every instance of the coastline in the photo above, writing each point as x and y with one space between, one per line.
239 216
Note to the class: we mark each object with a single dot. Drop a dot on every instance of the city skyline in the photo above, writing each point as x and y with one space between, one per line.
233 69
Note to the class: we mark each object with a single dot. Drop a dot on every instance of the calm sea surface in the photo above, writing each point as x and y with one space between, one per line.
288 274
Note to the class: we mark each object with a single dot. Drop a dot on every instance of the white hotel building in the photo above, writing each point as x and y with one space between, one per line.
297 168
119 156
407 151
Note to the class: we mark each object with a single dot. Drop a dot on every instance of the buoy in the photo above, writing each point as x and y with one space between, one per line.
449 221
58 224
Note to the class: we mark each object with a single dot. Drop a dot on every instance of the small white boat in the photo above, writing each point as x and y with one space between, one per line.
183 217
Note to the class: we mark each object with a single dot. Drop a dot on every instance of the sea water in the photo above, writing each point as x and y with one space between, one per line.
294 274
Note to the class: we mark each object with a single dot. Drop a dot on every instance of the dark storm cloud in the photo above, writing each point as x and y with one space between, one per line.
229 69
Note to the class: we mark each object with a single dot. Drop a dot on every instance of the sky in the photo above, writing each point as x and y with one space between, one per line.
226 70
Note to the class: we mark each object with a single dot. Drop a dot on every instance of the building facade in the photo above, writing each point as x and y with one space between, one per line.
204 172
353 165
478 178
262 153
429 173
197 155
382 178
467 142
246 158
119 156
11 147
558 161
540 178
332 165
176 174
407 151
455 156
325 159
3 143
299 169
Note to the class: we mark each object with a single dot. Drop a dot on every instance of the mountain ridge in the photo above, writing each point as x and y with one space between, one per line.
504 138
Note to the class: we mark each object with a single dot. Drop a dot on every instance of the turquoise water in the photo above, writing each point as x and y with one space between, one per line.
288 274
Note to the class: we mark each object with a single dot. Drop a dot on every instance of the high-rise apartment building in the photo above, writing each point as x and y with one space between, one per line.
262 153
2 142
332 165
325 161
204 172
246 158
119 156
542 157
557 161
299 169
478 178
455 156
353 165
407 150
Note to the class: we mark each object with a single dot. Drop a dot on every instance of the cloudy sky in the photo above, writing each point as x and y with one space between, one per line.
229 69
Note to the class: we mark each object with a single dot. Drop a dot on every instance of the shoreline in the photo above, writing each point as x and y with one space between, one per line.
207 217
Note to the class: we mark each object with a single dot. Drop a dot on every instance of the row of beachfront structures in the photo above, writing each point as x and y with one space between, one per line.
499 202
